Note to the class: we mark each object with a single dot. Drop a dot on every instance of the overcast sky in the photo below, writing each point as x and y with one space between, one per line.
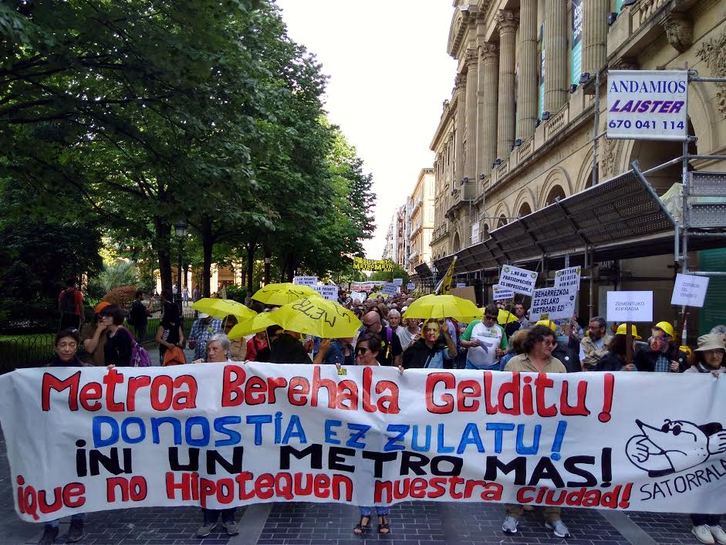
389 75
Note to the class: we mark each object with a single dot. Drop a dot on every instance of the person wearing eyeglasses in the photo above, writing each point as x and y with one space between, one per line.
391 351
366 353
485 340
429 351
537 358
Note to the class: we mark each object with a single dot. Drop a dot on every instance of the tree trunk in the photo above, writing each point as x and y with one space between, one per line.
251 246
268 259
163 233
207 236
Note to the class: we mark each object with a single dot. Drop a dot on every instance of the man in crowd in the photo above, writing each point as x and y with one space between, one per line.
595 344
662 355
486 341
70 306
203 329
391 351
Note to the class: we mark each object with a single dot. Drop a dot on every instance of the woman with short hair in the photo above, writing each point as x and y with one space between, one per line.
119 342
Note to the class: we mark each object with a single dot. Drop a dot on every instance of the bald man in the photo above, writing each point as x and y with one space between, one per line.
391 351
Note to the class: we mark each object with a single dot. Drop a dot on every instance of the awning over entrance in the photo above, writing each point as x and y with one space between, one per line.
620 218
422 271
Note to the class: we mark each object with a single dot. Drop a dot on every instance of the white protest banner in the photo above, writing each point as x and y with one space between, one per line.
361 286
359 296
220 435
389 288
689 290
305 280
647 104
499 293
557 303
518 280
568 278
410 286
328 292
630 306
398 281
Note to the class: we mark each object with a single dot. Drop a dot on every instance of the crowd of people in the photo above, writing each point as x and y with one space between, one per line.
388 340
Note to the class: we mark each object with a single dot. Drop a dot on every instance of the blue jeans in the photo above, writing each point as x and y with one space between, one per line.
78 517
493 367
380 511
212 515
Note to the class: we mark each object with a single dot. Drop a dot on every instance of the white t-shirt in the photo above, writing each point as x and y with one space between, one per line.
490 338
405 336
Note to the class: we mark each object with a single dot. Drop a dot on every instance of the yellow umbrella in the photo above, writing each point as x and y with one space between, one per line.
221 308
442 306
258 323
317 316
505 317
281 294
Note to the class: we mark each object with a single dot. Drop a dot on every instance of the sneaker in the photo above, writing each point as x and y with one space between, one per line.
558 527
231 528
49 535
703 533
509 526
75 532
718 534
206 529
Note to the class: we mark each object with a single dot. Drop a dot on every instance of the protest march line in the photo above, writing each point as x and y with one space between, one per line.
228 434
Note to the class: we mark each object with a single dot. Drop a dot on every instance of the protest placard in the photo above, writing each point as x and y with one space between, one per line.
220 435
568 278
305 280
630 306
499 293
410 286
389 288
518 280
556 303
329 292
398 281
689 290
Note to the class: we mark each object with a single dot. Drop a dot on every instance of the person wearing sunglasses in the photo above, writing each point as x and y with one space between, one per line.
429 351
537 358
366 353
485 340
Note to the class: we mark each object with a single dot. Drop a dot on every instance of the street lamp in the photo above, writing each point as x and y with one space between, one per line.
180 228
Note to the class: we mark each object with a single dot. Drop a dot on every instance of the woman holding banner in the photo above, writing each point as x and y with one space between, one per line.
218 351
366 353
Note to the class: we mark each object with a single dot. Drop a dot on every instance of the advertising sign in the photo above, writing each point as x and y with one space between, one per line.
518 280
648 104
576 49
630 306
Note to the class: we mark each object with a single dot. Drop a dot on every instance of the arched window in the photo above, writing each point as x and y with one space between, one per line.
524 210
502 221
555 193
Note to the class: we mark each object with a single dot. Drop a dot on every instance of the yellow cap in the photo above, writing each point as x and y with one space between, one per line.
548 323
666 327
633 331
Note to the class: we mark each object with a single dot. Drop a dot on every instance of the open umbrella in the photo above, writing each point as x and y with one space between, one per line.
505 317
221 308
442 306
258 323
281 294
316 316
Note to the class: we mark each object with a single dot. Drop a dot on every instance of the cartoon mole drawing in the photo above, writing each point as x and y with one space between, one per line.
674 446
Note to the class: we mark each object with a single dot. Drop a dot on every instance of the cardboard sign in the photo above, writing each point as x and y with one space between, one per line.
689 290
630 306
557 303
389 288
518 280
328 292
305 280
568 278
500 293
647 104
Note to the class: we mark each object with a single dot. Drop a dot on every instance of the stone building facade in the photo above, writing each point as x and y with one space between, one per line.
519 129
421 220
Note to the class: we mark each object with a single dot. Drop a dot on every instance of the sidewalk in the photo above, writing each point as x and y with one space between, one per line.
419 523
